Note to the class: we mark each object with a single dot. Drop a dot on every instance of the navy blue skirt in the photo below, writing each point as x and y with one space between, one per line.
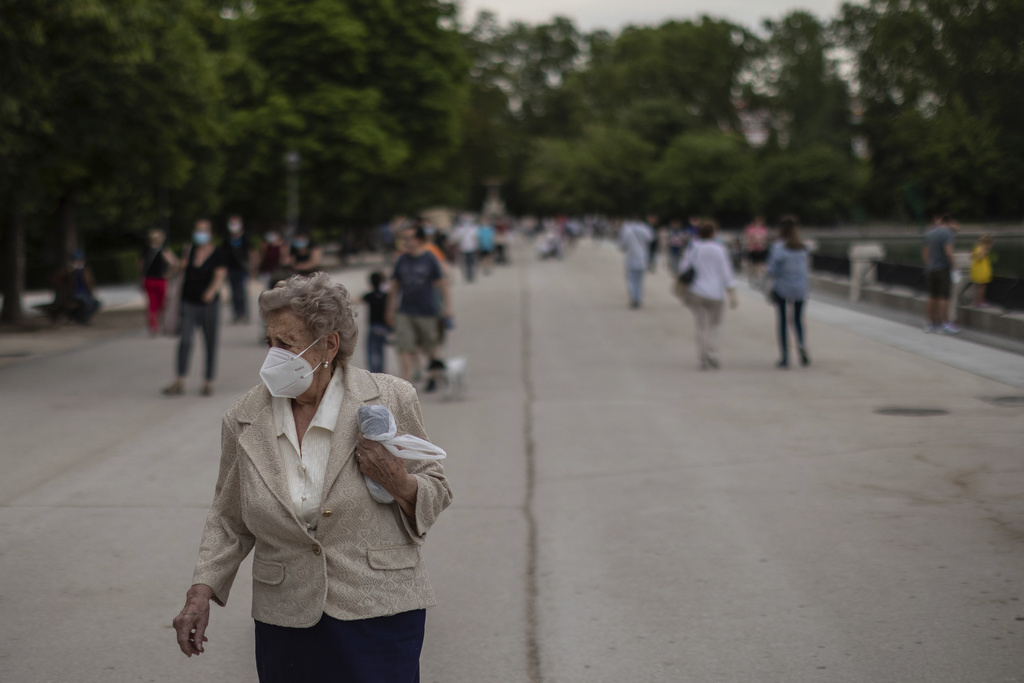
360 651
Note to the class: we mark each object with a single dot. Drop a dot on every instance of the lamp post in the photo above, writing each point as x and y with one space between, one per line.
291 162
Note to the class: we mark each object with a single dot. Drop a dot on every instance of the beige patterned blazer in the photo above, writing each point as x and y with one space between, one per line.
365 558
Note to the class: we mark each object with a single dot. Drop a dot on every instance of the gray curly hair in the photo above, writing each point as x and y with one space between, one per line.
322 304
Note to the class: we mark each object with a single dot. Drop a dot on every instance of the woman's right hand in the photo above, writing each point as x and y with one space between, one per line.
191 622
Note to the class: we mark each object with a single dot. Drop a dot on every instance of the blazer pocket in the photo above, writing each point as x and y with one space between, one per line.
267 572
394 557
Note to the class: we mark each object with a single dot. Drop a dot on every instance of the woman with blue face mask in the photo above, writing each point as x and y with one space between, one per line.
204 273
339 589
304 255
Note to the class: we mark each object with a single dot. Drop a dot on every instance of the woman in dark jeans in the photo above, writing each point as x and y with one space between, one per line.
787 268
204 272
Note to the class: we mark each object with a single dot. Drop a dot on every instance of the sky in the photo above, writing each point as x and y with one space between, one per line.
612 15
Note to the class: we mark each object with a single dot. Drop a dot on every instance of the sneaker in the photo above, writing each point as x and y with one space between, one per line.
950 328
931 328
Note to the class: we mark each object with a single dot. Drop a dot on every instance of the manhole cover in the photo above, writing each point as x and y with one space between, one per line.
1005 401
911 412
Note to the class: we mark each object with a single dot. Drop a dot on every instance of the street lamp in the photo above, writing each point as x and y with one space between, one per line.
291 162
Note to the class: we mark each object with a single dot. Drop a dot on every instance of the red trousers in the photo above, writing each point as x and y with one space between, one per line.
156 288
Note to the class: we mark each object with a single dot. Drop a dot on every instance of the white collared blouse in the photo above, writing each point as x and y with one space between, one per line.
306 466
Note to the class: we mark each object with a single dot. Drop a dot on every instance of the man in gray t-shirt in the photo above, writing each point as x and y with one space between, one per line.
411 308
938 261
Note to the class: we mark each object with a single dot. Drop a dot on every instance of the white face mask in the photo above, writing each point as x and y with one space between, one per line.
288 375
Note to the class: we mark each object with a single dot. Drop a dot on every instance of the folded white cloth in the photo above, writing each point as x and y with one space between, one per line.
378 424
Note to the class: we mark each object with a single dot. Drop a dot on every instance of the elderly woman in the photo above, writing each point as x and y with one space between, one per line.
339 588
712 282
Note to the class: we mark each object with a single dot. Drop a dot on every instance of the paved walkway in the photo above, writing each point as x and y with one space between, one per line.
619 515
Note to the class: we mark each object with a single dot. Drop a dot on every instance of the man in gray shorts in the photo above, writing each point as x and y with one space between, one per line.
938 263
412 309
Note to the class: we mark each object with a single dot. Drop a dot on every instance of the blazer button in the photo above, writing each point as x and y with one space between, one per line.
328 513
316 550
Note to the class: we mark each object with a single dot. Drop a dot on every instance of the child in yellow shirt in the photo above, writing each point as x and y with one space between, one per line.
981 269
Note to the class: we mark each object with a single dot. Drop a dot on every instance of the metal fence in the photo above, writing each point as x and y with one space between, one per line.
836 265
899 275
1005 292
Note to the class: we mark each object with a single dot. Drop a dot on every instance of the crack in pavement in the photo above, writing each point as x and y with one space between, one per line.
532 641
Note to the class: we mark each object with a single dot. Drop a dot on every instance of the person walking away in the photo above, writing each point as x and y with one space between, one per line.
466 236
485 233
981 269
205 272
501 243
652 255
713 281
755 245
411 306
272 259
937 255
157 264
239 253
676 241
376 301
787 269
304 256
635 238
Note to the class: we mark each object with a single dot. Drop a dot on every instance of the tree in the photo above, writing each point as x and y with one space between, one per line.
801 85
953 160
698 66
367 91
820 184
601 171
104 101
518 78
707 173
941 85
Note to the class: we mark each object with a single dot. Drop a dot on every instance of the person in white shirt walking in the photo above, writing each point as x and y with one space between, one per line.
467 236
635 239
712 282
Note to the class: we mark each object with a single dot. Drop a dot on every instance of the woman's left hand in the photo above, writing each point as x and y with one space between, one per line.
379 464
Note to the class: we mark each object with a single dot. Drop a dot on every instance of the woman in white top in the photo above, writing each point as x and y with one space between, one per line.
712 282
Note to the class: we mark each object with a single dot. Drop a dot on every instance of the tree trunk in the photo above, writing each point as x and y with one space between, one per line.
12 267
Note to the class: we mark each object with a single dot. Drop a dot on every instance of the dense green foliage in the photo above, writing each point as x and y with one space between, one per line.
116 115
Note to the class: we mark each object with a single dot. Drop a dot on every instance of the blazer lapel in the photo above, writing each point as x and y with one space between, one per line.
360 389
259 441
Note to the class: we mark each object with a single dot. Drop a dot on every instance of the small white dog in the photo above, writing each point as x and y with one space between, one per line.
452 377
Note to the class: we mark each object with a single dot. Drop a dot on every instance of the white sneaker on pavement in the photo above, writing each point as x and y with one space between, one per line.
950 328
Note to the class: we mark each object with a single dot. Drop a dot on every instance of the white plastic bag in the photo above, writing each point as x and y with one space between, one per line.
378 424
